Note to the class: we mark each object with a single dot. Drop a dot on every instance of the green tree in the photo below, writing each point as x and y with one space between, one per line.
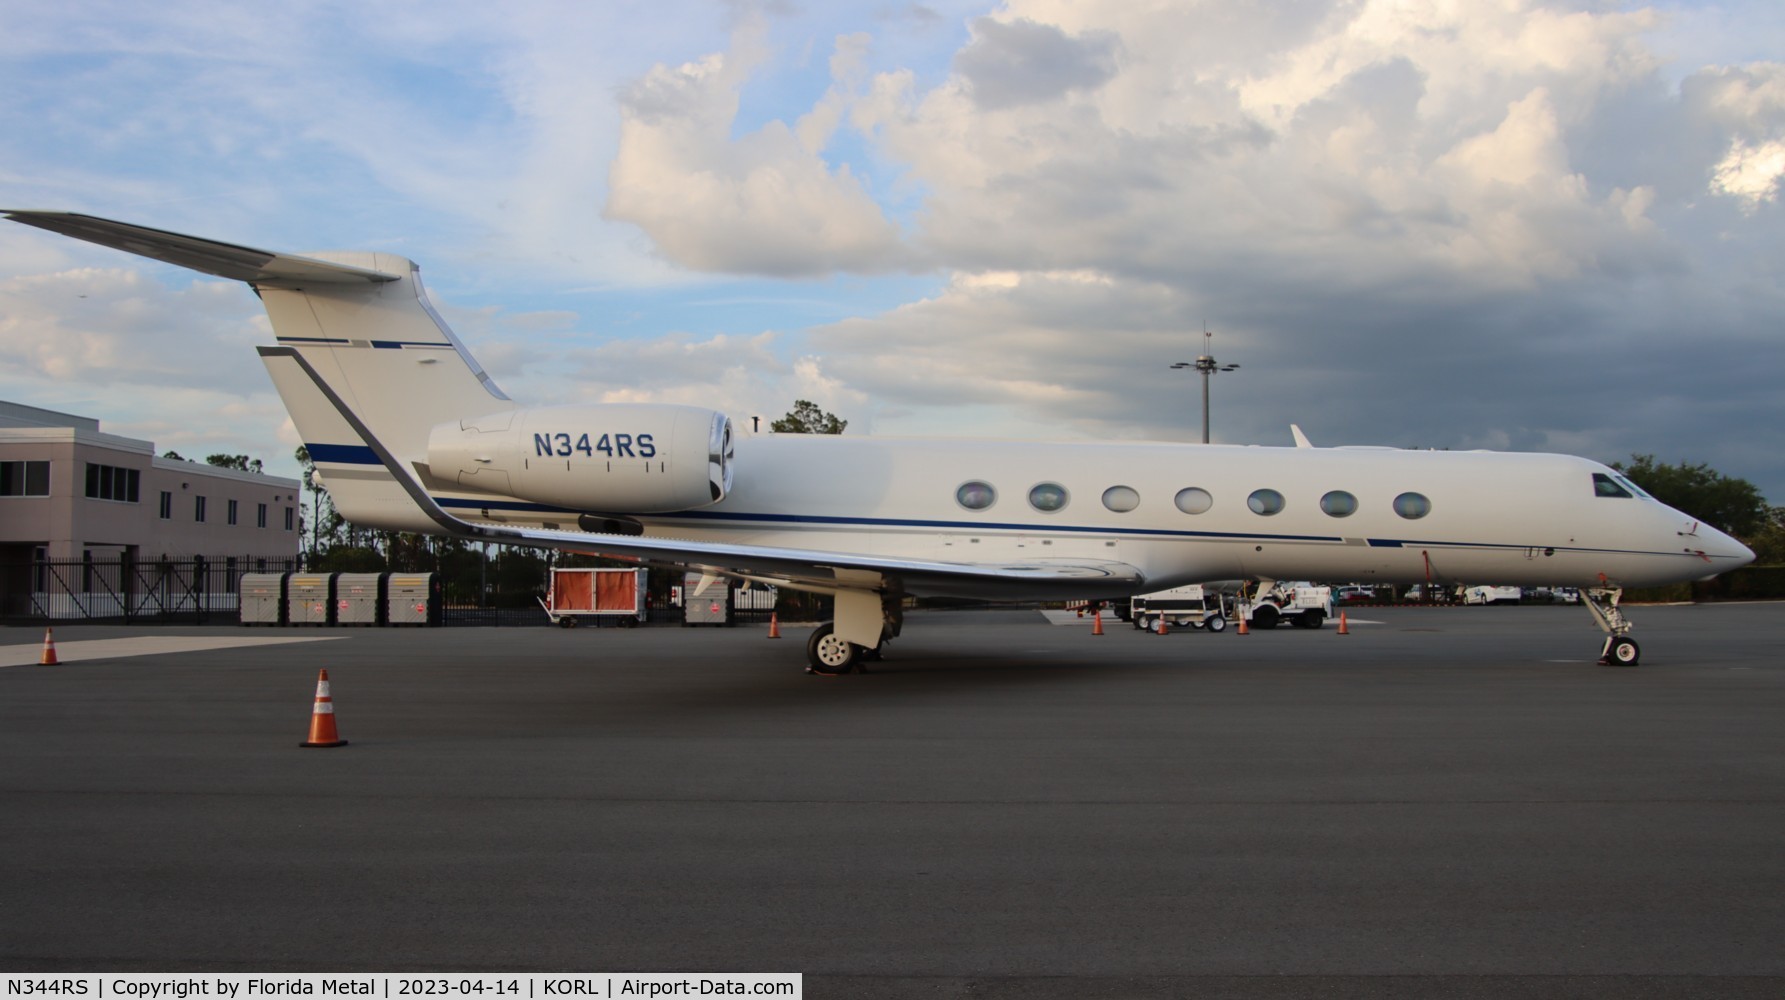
330 527
240 463
176 456
1723 502
807 418
1768 542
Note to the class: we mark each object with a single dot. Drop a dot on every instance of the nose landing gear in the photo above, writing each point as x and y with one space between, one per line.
1619 650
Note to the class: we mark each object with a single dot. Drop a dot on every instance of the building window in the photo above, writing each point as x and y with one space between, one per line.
288 519
24 479
111 482
232 512
167 506
261 517
198 509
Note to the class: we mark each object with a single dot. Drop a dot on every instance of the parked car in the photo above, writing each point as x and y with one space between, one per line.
1492 595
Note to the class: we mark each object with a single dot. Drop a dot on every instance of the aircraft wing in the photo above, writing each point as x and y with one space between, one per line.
810 569
807 569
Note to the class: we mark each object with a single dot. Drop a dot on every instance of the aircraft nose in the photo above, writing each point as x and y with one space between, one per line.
1739 552
1725 550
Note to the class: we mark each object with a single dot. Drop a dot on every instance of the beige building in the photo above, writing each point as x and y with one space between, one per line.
71 492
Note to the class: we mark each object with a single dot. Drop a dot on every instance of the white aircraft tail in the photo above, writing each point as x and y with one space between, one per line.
363 323
391 359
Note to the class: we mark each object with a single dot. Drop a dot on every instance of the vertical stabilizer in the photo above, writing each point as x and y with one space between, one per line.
385 350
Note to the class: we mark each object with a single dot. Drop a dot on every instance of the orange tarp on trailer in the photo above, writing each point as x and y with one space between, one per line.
616 590
573 592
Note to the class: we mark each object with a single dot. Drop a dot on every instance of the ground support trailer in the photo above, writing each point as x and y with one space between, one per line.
599 596
1194 606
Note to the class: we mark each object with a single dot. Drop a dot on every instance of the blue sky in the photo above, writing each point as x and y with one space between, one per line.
1526 225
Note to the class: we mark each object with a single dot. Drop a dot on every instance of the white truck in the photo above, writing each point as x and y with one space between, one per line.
1300 603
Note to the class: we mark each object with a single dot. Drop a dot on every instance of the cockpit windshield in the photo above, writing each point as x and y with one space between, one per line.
1606 486
1613 485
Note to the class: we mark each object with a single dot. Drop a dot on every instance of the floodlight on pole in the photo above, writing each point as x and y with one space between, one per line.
1207 365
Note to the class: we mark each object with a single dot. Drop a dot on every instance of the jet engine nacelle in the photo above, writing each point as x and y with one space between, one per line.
613 458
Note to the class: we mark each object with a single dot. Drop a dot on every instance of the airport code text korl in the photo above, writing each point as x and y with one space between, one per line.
248 986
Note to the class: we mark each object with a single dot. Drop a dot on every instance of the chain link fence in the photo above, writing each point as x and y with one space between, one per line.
502 590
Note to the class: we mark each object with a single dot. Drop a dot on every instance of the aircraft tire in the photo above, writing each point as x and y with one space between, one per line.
828 654
1623 652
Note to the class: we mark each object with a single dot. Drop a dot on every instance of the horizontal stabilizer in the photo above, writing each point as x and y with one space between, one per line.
226 260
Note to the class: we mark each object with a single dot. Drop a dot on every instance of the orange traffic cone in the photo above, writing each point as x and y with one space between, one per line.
1344 627
322 720
1243 629
774 626
49 650
1162 628
1097 622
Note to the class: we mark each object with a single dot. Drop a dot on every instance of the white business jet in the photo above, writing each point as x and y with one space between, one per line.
410 434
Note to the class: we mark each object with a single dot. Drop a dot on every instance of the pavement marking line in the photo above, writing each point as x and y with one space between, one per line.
72 653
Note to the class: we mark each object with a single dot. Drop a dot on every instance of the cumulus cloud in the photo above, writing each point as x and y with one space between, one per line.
1369 199
1751 174
763 203
117 326
1024 62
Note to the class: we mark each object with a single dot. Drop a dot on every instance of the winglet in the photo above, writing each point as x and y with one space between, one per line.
1301 440
225 260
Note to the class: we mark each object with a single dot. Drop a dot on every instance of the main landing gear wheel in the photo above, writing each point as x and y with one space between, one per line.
827 653
1621 651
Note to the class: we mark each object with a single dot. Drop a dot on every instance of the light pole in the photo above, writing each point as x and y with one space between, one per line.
1207 365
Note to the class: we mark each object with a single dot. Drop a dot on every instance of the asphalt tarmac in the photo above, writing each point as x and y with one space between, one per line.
1444 803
